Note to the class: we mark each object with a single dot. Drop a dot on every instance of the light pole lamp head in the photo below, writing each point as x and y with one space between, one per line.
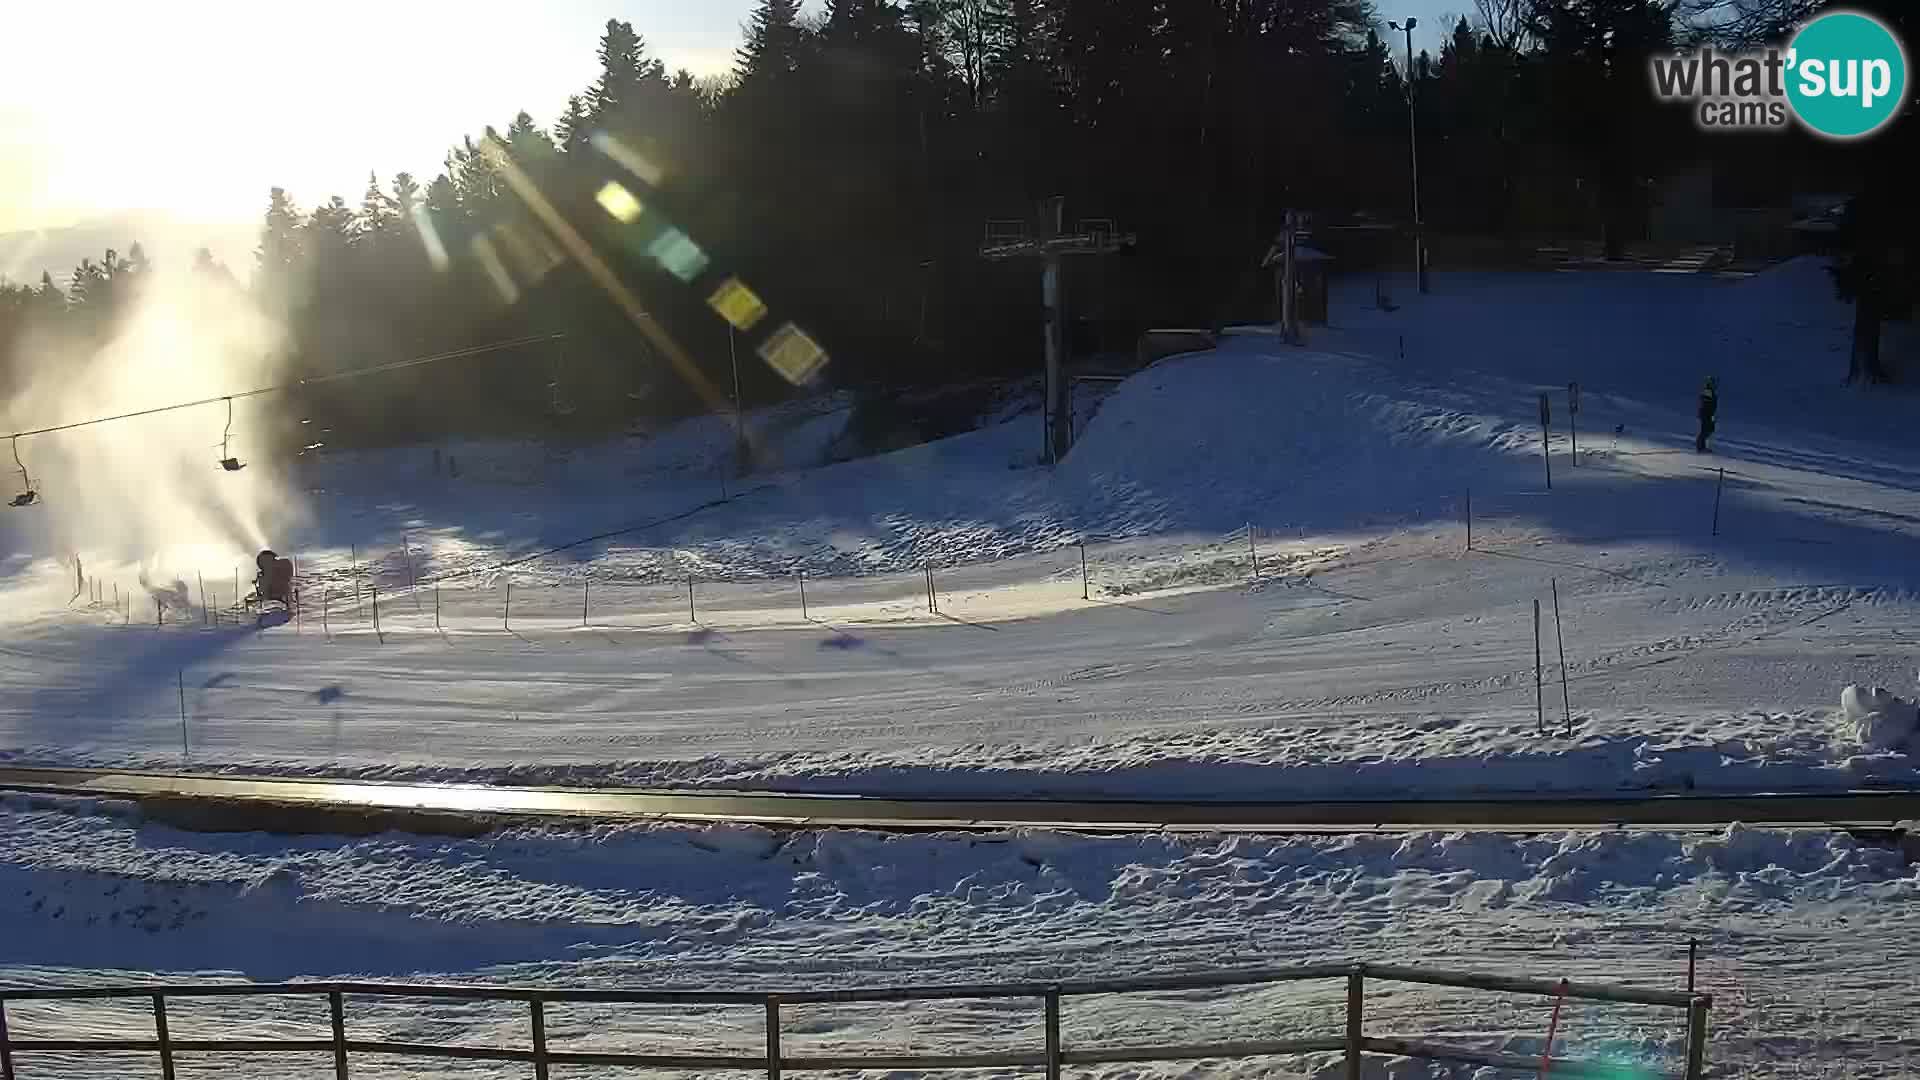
1412 22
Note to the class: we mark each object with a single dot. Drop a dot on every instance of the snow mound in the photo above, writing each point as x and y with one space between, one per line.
1284 436
1880 720
1798 292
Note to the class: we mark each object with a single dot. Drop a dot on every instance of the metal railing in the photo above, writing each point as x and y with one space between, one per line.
1051 1058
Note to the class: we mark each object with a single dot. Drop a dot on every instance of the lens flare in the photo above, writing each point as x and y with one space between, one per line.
619 203
737 304
496 270
430 237
793 354
628 158
678 255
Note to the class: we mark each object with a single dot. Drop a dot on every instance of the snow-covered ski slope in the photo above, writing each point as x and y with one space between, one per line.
1370 654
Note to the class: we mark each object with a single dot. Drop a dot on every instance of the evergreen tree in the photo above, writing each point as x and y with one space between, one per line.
527 143
278 258
631 85
575 126
771 48
378 216
406 196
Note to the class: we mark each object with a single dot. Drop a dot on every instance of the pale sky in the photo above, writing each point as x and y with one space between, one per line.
197 107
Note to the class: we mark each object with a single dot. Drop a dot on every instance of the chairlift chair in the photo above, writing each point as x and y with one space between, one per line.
28 496
227 460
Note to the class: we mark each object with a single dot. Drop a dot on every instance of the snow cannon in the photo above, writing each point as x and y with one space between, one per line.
273 582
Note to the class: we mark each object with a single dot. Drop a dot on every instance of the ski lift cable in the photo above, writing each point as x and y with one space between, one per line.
277 388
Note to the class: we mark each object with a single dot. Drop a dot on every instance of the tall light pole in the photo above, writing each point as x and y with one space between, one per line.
1413 143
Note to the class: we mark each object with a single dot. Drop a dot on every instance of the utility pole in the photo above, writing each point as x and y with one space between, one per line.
1052 221
1051 243
1413 145
739 423
1285 253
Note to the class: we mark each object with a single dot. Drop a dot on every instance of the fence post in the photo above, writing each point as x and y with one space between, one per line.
436 607
1561 641
1084 590
1356 994
325 598
1539 694
1546 448
1697 1039
691 617
159 612
1253 556
1053 1033
180 681
375 590
1718 486
539 1012
506 609
206 610
1469 519
803 594
160 1033
586 594
773 1037
413 583
6 1048
338 1008
1573 419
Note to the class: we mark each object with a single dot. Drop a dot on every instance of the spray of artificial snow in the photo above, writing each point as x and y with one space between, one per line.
145 500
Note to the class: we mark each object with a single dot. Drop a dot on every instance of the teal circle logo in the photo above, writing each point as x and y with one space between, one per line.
1846 75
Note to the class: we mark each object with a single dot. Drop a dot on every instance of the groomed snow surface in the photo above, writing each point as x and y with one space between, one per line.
1357 650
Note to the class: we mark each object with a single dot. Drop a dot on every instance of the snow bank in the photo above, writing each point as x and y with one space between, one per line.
75 885
1300 761
1880 720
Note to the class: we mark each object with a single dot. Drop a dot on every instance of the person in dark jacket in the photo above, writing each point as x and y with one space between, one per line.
1709 405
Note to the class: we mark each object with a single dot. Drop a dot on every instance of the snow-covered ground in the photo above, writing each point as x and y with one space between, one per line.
1368 654
1804 936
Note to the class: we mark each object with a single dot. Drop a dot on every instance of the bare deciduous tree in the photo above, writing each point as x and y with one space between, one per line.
1503 22
1743 23
974 33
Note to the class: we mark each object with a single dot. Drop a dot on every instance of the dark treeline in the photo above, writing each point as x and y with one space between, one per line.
846 168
